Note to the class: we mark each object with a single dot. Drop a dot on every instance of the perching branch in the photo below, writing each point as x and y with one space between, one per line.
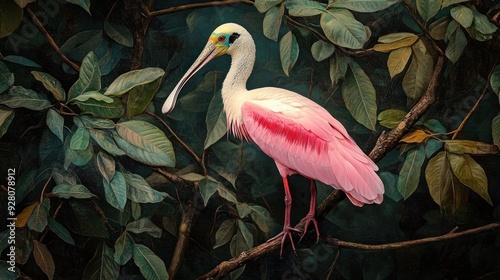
68 61
193 6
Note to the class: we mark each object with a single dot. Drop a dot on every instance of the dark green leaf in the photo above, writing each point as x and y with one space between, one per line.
119 33
409 176
495 130
51 84
456 41
289 52
80 139
20 97
11 16
360 97
262 218
43 259
144 225
238 244
86 221
60 231
226 194
123 249
85 4
419 73
77 157
225 233
102 266
6 117
151 266
140 97
447 3
215 120
342 29
138 190
427 9
106 142
245 232
102 109
38 219
338 68
55 122
92 122
69 191
89 77
495 80
207 189
21 60
116 191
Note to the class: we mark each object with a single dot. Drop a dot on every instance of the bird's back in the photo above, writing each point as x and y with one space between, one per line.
302 137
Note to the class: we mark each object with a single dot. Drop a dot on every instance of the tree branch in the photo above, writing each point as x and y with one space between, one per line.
68 61
192 6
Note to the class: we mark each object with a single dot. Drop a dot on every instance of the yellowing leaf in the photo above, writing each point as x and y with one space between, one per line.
397 61
23 217
470 147
417 136
471 174
405 42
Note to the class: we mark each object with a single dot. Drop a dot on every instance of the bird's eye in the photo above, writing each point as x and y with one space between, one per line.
221 38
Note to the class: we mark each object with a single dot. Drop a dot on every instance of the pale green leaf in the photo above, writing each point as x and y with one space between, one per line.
482 23
304 8
102 109
462 15
116 191
93 95
390 118
289 52
495 130
89 77
144 225
360 97
127 81
264 5
138 190
20 97
272 22
55 122
72 191
80 139
363 6
322 50
150 265
341 28
215 120
226 194
225 232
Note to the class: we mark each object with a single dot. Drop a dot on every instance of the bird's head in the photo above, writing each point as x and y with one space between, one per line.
224 40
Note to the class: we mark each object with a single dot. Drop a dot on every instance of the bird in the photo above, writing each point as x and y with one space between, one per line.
300 136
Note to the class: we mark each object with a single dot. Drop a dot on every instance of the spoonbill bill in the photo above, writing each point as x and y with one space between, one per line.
300 135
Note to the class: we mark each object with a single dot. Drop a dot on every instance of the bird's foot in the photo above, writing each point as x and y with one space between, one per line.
309 218
286 233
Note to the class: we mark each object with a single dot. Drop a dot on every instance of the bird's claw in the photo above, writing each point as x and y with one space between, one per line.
286 233
310 219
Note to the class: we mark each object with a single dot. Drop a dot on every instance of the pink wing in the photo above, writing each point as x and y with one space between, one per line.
302 137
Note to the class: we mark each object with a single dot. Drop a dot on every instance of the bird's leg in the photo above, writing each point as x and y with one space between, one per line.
309 218
287 229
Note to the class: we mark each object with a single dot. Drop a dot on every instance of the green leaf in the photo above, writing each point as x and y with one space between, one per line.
127 81
272 22
11 16
428 8
85 4
138 190
38 219
390 118
482 23
80 139
140 97
43 259
225 232
419 73
456 41
89 77
338 67
92 122
119 33
149 138
192 177
116 191
409 176
397 61
61 231
264 5
215 120
102 266
72 191
85 220
51 83
470 147
144 225
495 130
447 3
238 244
76 157
207 189
462 15
21 60
55 122
360 97
141 155
289 52
20 97
470 173
93 95
226 194
304 8
322 50
102 109
445 189
106 142
495 80
6 117
245 232
106 165
363 6
151 266
124 247
262 218
341 28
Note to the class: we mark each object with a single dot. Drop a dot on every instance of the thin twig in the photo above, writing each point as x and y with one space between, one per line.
183 144
193 6
45 187
398 245
68 61
485 90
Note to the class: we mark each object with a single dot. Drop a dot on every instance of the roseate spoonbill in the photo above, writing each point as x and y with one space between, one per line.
300 135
